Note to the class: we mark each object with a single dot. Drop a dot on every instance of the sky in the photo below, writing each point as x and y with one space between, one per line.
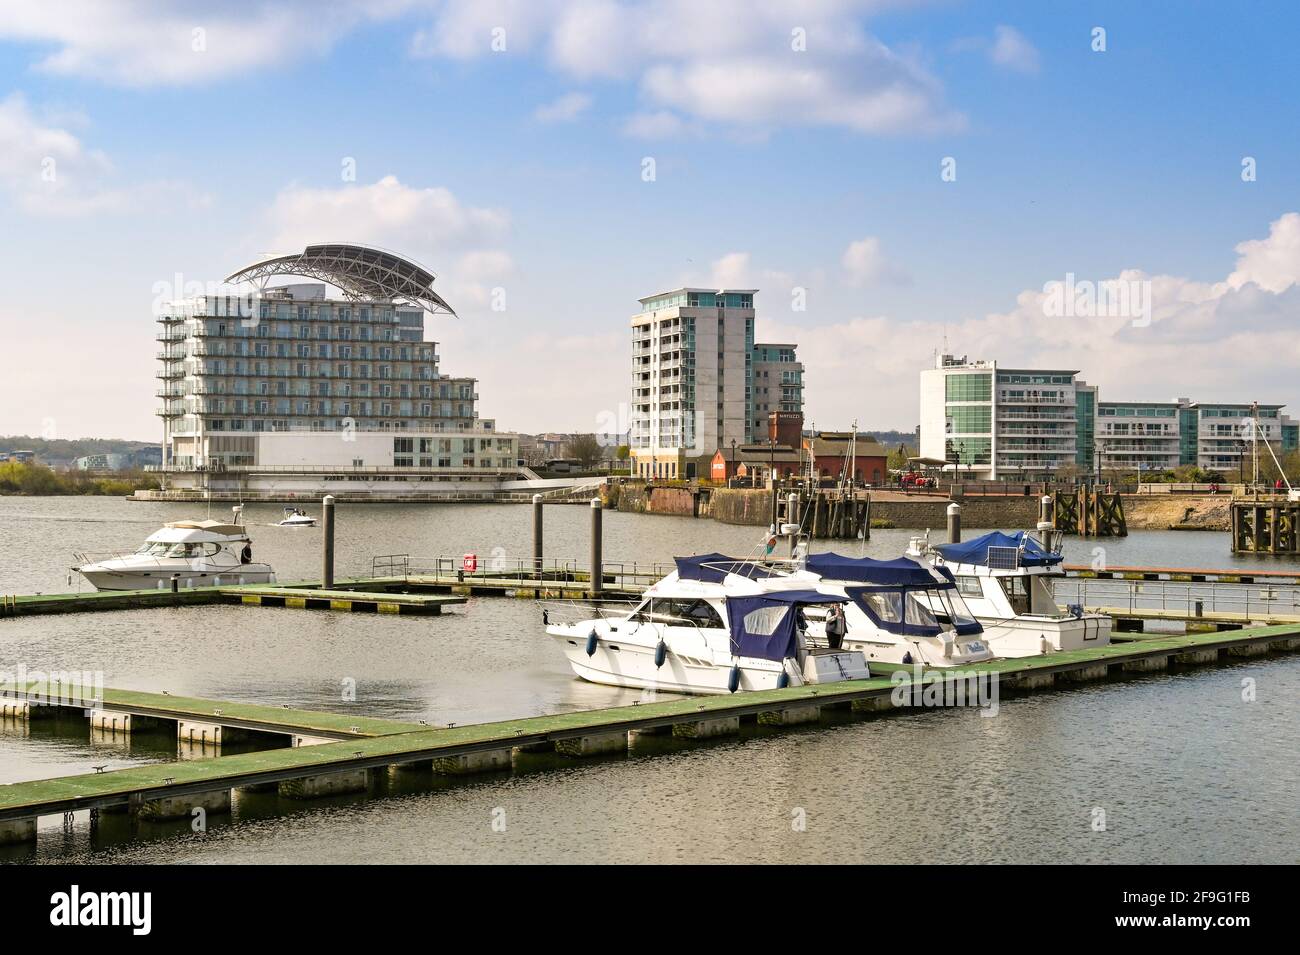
892 176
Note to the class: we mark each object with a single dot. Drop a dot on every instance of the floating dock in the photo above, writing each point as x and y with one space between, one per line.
376 598
349 750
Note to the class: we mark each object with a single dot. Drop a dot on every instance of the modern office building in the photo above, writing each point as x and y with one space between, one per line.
777 384
692 386
288 391
994 422
1003 423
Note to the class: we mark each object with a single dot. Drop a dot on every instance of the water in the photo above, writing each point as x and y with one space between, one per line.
1183 768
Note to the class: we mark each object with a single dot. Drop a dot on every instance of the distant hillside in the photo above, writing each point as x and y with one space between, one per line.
892 439
66 449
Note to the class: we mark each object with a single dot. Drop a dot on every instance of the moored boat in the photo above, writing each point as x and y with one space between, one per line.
715 625
191 553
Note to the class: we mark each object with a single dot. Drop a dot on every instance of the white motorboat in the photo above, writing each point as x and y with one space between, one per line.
193 553
715 625
900 611
296 517
1006 580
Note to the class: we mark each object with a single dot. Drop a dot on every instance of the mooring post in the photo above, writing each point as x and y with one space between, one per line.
327 547
597 560
537 536
954 523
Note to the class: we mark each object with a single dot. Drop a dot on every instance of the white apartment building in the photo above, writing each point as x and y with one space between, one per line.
778 384
692 356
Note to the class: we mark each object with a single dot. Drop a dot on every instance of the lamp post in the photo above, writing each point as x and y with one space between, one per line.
732 469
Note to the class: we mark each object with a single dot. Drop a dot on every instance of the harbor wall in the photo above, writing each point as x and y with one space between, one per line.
753 507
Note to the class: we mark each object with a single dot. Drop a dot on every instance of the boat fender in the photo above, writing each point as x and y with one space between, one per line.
733 679
546 617
783 680
591 643
661 654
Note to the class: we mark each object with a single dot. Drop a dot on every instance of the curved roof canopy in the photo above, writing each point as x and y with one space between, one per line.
359 271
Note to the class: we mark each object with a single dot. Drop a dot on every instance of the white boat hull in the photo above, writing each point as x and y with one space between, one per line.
1030 636
618 661
108 578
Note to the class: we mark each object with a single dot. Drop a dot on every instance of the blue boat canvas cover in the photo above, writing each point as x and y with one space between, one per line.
763 625
976 550
713 568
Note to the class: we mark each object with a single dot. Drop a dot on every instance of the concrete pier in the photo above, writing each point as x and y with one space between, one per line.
360 746
597 744
705 729
17 831
1249 650
1087 674
1146 665
326 784
182 807
1196 657
1032 681
492 761
195 732
790 716
873 704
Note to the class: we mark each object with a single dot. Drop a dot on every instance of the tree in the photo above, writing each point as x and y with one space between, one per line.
585 449
623 452
898 458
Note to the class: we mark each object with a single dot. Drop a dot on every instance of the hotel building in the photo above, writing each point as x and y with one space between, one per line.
288 392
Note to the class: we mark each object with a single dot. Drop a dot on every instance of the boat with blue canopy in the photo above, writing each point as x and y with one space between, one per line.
715 625
1006 580
901 611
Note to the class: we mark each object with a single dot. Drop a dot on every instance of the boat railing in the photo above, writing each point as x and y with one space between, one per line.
568 612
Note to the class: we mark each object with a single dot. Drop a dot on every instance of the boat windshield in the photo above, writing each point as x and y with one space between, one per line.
164 549
917 611
678 612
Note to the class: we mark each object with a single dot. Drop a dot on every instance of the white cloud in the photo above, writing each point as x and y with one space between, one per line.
1273 263
864 263
661 124
137 43
1193 326
729 62
47 170
1012 50
565 109
387 213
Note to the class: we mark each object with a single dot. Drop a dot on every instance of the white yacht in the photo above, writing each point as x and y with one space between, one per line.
901 610
297 517
1006 580
716 625
194 553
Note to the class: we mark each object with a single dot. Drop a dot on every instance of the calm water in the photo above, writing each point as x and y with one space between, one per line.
1184 769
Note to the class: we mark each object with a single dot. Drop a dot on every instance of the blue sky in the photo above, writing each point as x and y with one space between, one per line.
176 151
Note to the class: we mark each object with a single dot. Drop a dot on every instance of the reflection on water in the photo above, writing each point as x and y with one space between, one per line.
1184 769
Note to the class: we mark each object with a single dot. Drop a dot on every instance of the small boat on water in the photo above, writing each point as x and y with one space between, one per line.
716 625
297 517
1006 580
900 611
193 553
